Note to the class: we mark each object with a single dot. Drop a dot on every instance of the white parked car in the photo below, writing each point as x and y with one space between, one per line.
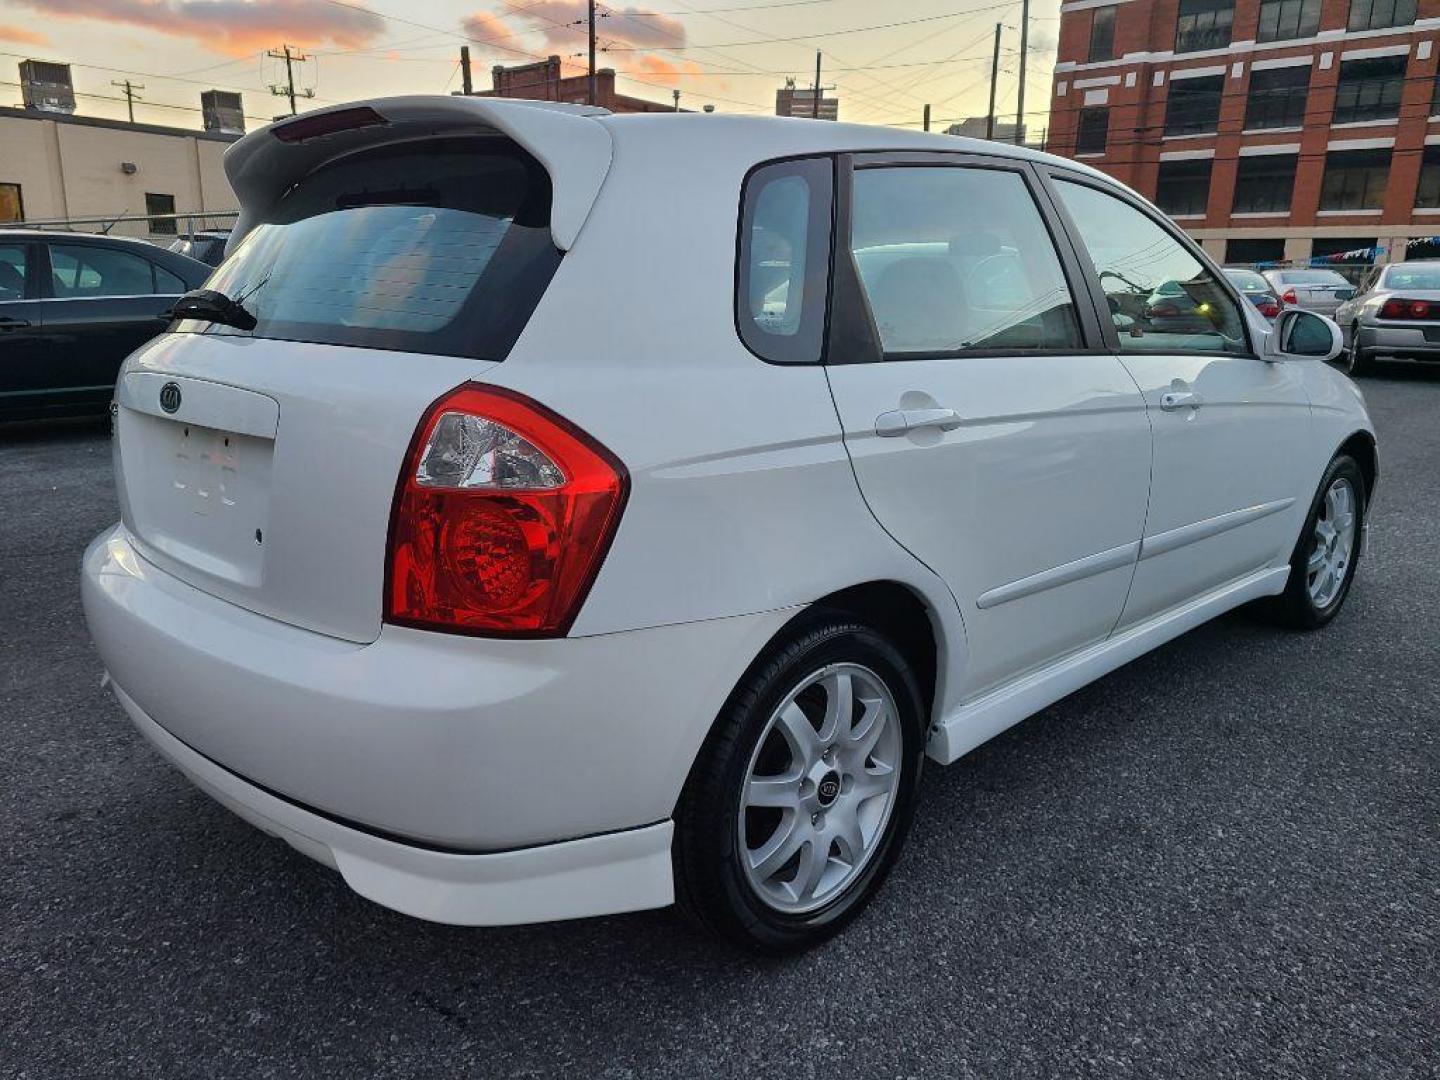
506 530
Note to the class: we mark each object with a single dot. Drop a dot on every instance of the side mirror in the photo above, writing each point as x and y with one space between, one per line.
1300 335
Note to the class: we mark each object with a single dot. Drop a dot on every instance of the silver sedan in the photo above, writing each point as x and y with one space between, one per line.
1395 314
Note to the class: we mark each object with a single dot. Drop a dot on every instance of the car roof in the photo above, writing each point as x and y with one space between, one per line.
39 235
576 144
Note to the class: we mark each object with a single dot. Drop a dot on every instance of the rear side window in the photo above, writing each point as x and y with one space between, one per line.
435 247
785 260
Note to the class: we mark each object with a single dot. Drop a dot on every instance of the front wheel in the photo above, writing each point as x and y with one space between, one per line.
799 803
1323 564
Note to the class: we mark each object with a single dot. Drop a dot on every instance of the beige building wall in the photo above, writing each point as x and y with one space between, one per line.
72 167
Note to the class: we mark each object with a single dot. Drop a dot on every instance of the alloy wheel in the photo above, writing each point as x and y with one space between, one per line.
1332 544
820 788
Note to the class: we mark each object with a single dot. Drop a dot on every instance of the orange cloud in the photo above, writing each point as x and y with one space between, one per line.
653 68
23 36
233 27
486 27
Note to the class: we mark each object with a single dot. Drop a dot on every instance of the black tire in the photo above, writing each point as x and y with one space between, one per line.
1295 608
1358 361
710 884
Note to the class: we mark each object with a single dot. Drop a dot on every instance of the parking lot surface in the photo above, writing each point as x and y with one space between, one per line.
1223 860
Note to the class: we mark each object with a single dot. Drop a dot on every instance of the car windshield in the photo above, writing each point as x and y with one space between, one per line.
1313 277
436 247
1406 276
1248 281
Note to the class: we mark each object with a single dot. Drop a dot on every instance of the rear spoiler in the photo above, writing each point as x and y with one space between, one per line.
565 139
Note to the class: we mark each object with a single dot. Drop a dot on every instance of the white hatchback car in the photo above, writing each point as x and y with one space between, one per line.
548 513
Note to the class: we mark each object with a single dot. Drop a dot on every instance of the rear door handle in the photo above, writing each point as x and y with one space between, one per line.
7 323
1172 400
900 421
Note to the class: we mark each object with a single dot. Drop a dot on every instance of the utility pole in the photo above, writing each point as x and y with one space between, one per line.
130 95
677 99
815 104
1024 49
465 84
927 117
288 90
590 85
994 75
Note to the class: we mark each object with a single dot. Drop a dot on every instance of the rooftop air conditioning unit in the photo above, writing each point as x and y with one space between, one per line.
223 111
47 86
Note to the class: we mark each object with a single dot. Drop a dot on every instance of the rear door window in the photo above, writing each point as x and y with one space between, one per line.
78 271
435 247
956 260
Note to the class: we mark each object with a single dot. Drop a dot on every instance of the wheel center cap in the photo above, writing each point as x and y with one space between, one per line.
828 789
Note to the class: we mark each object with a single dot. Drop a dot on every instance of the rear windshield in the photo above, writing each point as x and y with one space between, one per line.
1312 277
1409 276
1248 281
433 247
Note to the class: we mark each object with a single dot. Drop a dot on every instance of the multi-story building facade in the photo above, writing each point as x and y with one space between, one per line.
1269 129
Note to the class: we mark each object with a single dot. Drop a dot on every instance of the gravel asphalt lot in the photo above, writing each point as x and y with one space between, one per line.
1221 861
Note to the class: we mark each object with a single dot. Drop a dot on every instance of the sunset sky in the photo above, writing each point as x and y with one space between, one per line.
729 53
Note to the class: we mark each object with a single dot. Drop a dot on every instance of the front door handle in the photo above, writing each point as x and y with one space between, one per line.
1172 400
900 421
7 323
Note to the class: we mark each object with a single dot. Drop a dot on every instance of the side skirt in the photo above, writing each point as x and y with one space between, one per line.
978 721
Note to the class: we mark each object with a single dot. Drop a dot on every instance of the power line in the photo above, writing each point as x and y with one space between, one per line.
828 33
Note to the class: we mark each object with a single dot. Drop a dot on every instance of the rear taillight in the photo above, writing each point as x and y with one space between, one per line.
1397 308
1289 296
502 516
1268 307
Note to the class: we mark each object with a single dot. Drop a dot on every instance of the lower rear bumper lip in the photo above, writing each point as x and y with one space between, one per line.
615 872
1405 340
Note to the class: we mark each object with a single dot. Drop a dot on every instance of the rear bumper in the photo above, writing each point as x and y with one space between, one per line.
464 744
1398 340
598 875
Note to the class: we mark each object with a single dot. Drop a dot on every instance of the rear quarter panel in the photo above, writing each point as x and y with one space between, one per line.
742 497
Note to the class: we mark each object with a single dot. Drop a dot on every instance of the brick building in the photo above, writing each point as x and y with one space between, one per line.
1269 129
542 81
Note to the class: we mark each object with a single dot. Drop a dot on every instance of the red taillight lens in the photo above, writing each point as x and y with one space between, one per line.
503 514
1398 308
1392 309
1269 308
1289 296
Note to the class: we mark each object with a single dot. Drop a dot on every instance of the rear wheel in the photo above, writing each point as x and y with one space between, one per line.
1323 564
1358 360
800 800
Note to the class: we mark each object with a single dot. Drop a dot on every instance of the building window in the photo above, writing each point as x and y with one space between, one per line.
12 206
1254 250
1184 186
1205 24
160 204
1263 184
1428 193
1285 20
1193 107
1355 180
1094 126
1369 89
1435 97
1378 14
1277 98
1102 35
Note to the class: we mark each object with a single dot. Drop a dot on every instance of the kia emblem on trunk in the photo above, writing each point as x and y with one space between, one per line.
170 397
